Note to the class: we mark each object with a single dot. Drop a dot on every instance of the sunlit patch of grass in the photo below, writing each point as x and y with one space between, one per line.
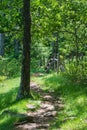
76 124
8 102
74 114
74 96
8 93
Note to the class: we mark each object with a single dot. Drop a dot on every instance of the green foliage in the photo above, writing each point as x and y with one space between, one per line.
65 18
9 68
2 78
77 74
2 67
13 68
12 13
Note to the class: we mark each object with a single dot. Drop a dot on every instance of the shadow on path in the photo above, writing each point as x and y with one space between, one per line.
41 118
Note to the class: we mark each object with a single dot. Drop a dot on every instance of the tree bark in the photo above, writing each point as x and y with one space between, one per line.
2 44
24 90
16 48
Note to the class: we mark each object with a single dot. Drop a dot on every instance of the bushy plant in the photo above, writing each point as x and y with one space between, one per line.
3 64
9 68
76 73
13 68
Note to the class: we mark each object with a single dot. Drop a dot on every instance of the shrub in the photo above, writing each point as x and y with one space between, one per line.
9 68
76 73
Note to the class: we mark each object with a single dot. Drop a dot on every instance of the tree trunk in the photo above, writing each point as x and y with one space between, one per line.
1 44
24 91
16 48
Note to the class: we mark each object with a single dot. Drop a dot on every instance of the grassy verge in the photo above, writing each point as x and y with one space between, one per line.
74 114
8 92
72 117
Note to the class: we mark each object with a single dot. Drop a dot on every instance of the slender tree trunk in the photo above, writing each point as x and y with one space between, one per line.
1 44
16 48
24 91
55 51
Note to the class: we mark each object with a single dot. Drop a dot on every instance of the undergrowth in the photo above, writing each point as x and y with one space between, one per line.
8 103
74 97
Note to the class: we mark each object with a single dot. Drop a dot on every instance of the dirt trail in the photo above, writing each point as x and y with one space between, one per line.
41 118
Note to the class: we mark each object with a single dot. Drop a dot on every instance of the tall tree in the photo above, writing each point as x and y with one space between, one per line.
24 91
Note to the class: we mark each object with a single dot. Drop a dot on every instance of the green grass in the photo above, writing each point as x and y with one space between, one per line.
74 114
74 96
8 93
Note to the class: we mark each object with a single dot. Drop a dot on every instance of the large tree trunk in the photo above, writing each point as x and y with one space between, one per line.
1 44
24 91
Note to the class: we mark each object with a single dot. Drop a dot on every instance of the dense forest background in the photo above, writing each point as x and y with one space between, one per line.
57 32
59 37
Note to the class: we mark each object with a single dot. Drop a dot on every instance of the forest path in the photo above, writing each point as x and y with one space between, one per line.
41 118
